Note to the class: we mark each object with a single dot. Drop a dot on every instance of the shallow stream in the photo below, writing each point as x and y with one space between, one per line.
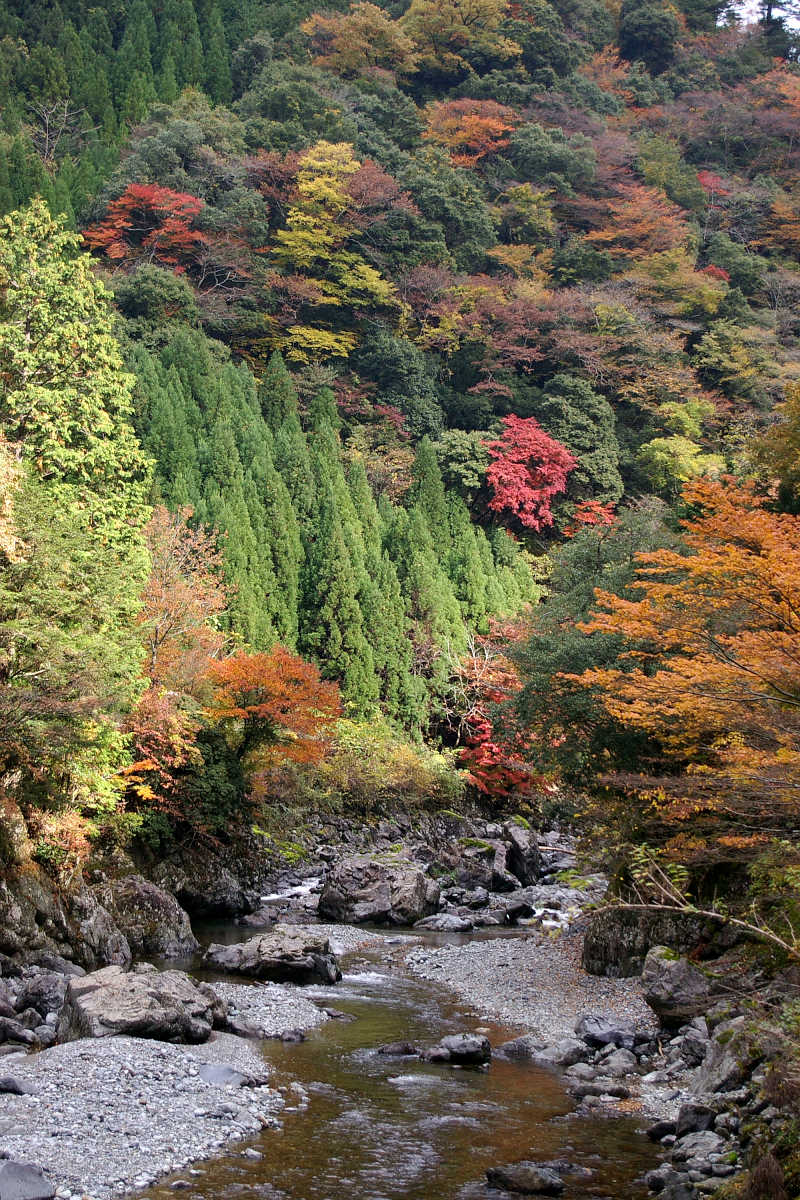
384 1128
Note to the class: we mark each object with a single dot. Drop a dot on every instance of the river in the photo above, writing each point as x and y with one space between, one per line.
385 1128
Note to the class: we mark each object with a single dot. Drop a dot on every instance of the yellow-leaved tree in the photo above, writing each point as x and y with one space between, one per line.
322 278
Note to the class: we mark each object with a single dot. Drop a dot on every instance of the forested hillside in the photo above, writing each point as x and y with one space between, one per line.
345 353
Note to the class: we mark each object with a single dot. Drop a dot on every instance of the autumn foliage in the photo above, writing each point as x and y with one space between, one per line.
182 601
528 469
277 699
148 223
469 130
496 747
710 666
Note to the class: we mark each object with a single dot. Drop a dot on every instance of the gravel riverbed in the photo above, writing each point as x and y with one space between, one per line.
536 983
110 1115
532 981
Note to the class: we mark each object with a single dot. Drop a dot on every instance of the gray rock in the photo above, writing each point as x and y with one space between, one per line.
565 1053
100 940
286 954
14 1031
204 887
150 918
620 1062
731 1056
616 940
522 857
14 1087
601 1031
165 1005
383 891
399 1050
44 993
526 1178
223 1075
466 1049
445 923
697 1145
694 1118
661 1177
660 1130
674 988
22 1181
503 879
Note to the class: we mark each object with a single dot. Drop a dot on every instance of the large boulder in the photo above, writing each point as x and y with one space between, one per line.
166 1005
151 919
674 988
23 1181
463 1049
287 954
522 852
731 1056
598 1031
381 891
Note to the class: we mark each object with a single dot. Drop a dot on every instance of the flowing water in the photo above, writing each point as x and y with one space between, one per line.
383 1128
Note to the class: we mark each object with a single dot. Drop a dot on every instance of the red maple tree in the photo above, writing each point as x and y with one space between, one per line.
148 223
527 470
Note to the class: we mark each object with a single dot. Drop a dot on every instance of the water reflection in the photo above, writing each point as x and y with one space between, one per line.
383 1128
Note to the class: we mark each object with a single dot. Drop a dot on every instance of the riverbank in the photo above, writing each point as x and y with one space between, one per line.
108 1116
532 981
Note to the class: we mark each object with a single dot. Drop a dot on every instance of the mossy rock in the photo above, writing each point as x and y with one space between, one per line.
471 843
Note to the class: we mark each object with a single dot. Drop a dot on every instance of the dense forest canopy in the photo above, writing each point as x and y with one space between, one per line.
345 353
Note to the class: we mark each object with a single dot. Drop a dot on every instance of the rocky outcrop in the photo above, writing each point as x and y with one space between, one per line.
287 954
674 988
205 887
97 940
616 940
151 919
166 1005
379 890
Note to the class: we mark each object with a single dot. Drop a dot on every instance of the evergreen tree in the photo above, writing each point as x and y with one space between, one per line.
464 566
428 493
217 60
277 394
331 622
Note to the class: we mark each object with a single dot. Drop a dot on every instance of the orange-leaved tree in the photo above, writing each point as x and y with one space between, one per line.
469 129
182 606
274 704
710 668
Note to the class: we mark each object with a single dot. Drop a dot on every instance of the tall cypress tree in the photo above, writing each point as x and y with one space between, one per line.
385 619
331 622
428 493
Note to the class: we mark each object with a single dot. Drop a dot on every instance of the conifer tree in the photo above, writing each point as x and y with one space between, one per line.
464 566
217 60
428 493
331 622
277 394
